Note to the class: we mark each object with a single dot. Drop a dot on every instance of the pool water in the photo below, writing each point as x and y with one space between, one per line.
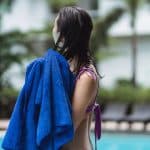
120 141
0 143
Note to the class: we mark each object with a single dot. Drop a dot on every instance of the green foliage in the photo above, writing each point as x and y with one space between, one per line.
124 93
8 58
57 4
8 93
8 97
124 82
46 30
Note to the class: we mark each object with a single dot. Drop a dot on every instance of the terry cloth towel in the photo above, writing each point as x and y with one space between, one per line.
42 116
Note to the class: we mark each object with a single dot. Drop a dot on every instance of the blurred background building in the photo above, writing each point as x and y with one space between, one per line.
35 15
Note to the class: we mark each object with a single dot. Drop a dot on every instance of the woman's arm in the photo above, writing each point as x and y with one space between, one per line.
84 93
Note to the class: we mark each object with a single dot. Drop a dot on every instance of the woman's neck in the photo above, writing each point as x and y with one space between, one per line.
73 64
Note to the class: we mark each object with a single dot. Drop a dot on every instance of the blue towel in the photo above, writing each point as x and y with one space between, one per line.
42 116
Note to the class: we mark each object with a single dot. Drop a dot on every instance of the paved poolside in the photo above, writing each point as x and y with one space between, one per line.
107 126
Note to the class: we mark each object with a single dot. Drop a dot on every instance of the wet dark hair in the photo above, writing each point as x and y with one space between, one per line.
75 26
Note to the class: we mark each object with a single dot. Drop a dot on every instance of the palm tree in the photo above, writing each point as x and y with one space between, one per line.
7 58
101 26
133 7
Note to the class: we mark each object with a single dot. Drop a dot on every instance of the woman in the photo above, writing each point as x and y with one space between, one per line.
71 32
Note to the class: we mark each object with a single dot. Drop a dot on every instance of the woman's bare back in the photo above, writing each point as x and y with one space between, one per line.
81 140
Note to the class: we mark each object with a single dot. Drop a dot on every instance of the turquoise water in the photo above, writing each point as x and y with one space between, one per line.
0 143
121 141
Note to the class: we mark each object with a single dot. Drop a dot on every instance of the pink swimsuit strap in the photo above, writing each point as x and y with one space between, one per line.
89 70
94 107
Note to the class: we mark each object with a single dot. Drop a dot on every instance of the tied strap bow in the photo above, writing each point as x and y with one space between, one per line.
95 107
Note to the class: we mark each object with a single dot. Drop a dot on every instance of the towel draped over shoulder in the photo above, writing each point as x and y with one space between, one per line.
41 119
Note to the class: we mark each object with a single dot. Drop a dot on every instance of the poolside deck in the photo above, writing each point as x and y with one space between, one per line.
106 126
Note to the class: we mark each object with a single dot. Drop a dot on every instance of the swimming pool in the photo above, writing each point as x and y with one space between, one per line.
120 141
123 141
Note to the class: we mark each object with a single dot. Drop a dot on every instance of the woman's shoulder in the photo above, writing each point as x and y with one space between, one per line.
88 70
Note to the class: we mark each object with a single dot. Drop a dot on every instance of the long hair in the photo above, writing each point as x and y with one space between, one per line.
75 26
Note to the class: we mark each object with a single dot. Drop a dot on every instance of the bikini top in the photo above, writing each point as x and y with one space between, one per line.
94 107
